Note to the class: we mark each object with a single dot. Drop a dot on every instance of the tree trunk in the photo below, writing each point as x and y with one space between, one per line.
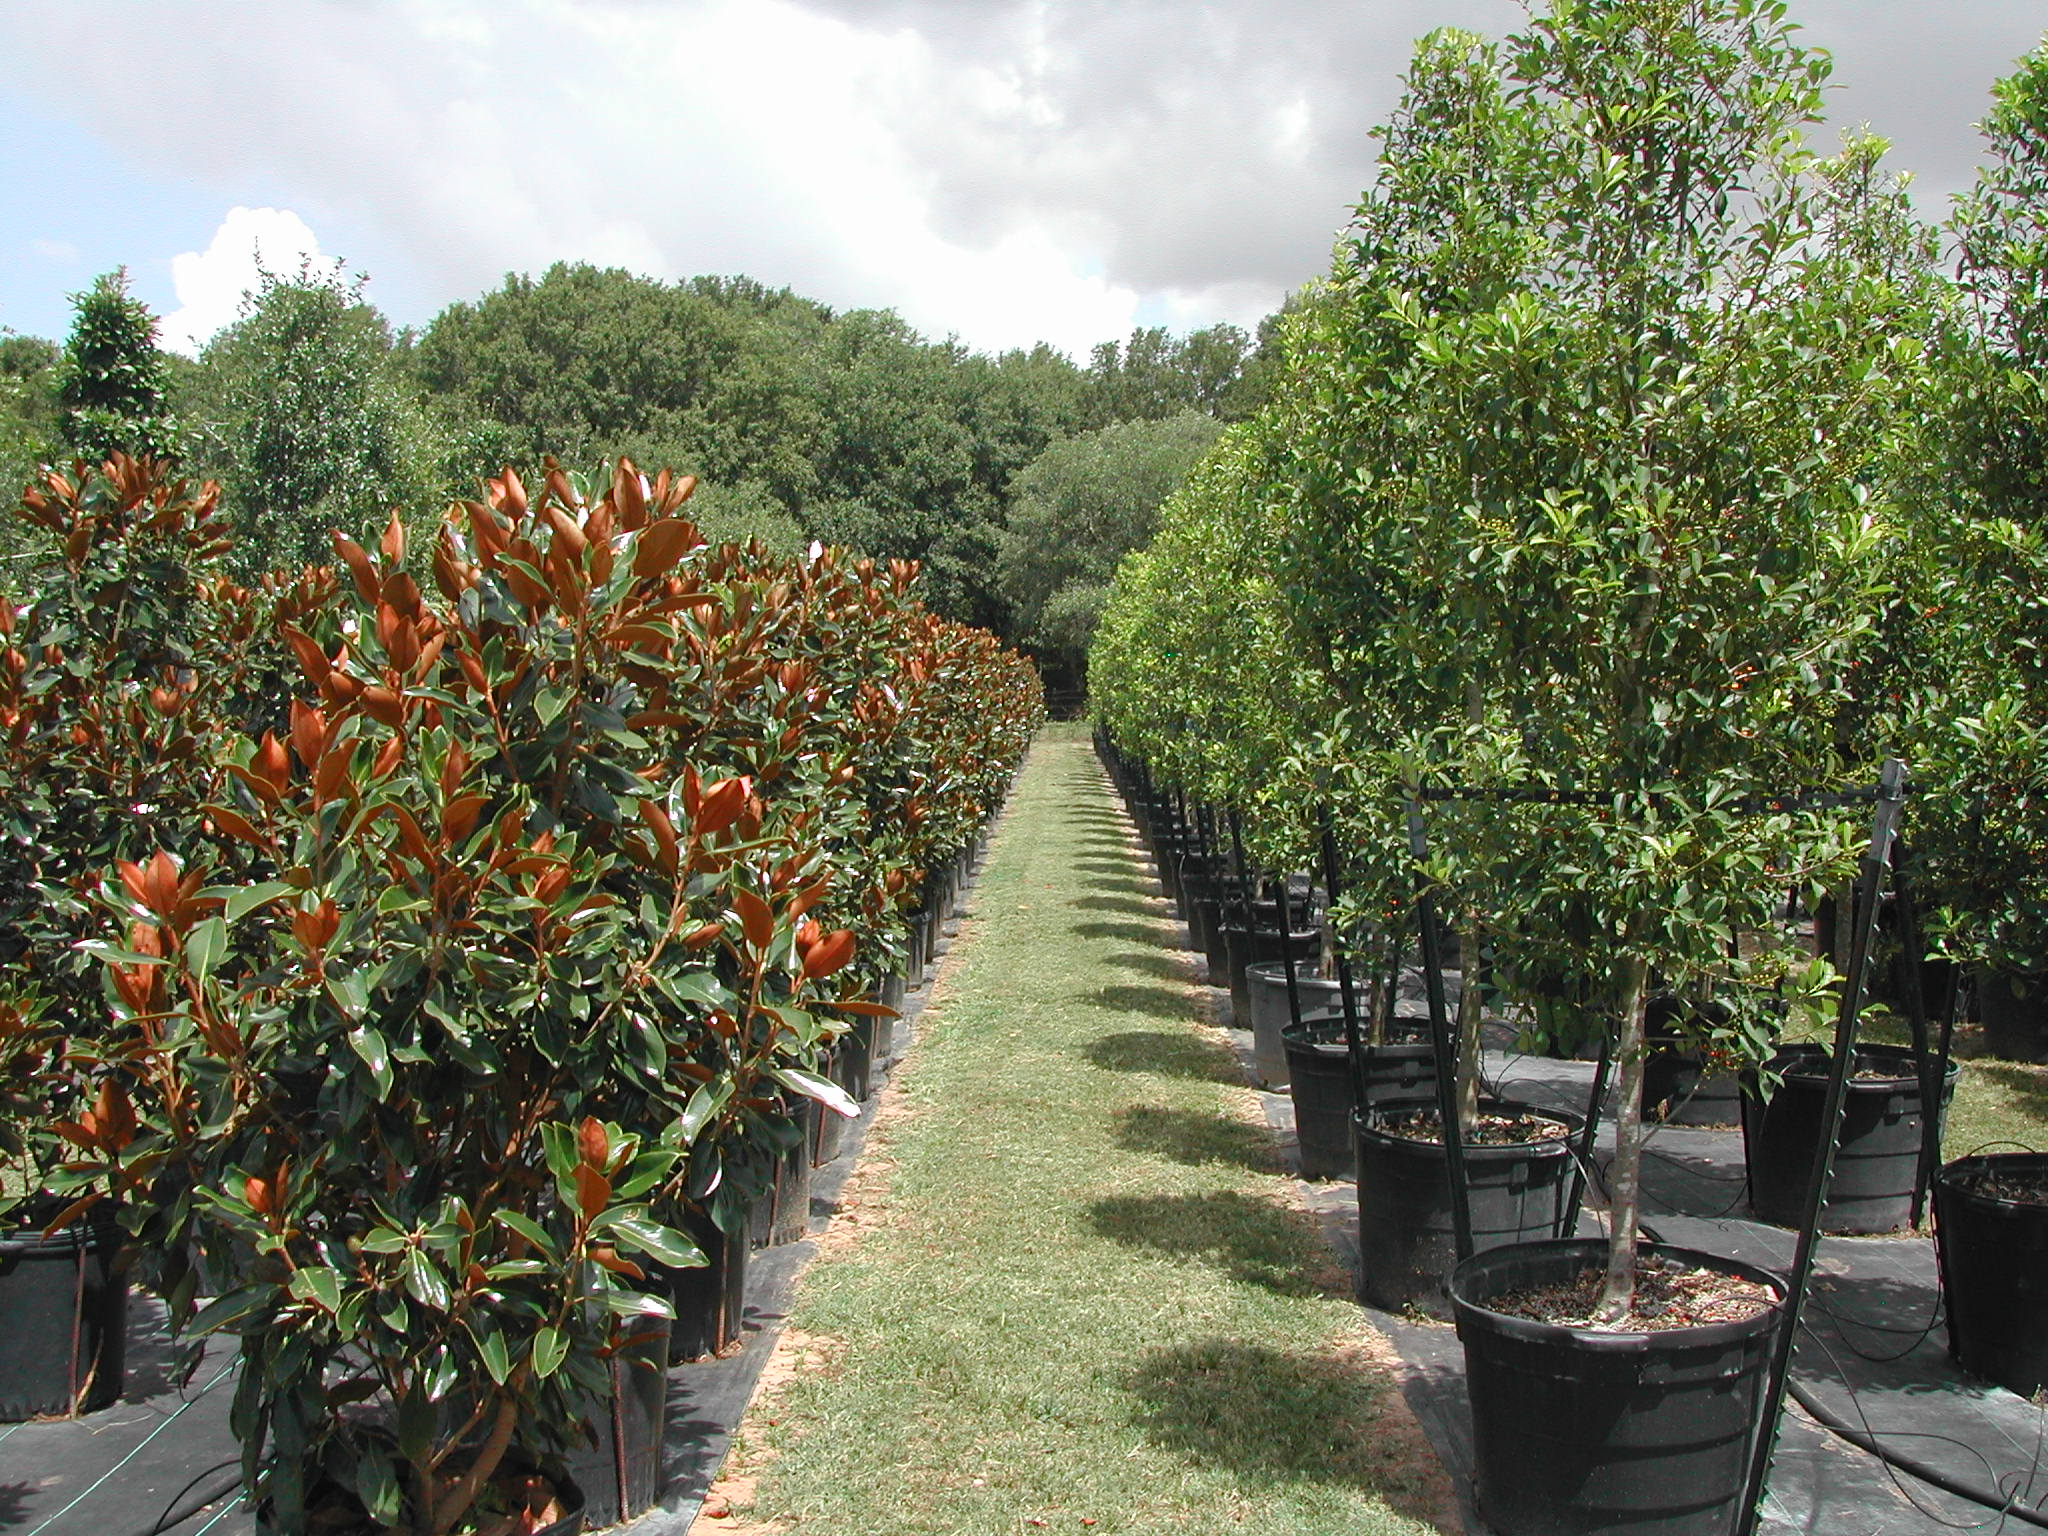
1625 1177
1469 1012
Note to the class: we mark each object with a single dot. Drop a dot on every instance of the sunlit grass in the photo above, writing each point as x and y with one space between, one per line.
1088 1301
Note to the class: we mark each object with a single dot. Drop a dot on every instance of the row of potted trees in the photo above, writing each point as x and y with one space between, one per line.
1634 473
413 954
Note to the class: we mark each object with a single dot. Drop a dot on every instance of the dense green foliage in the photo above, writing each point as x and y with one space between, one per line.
1583 472
111 380
1079 508
802 423
300 410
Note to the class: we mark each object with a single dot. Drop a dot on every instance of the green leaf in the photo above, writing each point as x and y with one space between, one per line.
204 946
246 899
319 1285
812 1086
549 1350
424 1279
705 1103
350 992
369 1044
658 1241
491 1346
231 1308
377 1486
529 1229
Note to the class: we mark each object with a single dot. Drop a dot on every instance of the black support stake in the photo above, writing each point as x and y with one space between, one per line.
1440 1031
1863 932
1287 953
1584 1157
1931 1073
1352 1044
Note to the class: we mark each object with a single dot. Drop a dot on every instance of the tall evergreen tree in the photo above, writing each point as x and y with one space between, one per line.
110 382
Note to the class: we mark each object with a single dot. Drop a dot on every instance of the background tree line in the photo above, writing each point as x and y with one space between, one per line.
1019 479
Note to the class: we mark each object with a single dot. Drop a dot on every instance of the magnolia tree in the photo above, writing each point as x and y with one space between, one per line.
1586 472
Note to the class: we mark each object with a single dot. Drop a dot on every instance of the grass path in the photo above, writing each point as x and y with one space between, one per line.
1076 1292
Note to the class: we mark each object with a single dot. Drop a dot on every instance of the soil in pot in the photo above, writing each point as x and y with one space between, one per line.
1400 1072
63 1316
1878 1161
1991 1236
1518 1168
1580 1429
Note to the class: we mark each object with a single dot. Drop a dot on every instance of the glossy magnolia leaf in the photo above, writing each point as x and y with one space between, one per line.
812 1086
204 946
424 1279
529 1229
657 1241
377 1486
368 1043
242 900
638 1304
224 1311
549 1350
705 1103
757 917
318 1284
491 1347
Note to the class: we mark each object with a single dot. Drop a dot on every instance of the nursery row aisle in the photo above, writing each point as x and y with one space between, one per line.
1070 1288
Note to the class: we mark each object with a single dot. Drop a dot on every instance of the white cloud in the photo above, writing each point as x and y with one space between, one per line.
62 252
211 284
1007 170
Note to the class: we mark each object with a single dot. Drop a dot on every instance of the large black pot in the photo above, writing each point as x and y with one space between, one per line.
1403 1071
1266 989
1245 946
1878 1161
63 1317
785 1216
710 1299
1407 1234
2013 1008
620 1475
1994 1270
1678 1088
1576 1431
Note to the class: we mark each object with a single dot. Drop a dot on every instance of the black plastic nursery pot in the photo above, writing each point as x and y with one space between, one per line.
1245 947
710 1299
1266 989
1407 1232
1679 1088
2013 1008
785 1216
63 1318
1577 1430
620 1476
1878 1161
1993 1250
568 1497
1400 1072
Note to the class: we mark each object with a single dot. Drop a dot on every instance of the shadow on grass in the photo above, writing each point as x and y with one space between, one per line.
1135 933
1253 1241
1157 1050
1121 871
1117 903
1266 1413
1153 962
1156 1002
2027 1084
1195 1138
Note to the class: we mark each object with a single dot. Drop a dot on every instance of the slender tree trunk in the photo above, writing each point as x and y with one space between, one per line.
1469 1012
1625 1177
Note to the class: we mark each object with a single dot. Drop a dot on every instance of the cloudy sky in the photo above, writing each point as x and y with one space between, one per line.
1003 170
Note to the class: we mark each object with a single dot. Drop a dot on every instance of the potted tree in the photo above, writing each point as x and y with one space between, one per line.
1601 309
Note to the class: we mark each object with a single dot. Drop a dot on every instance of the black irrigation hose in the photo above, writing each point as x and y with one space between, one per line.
173 1517
1962 1488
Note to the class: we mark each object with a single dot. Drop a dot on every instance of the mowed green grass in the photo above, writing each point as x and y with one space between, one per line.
1086 1302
